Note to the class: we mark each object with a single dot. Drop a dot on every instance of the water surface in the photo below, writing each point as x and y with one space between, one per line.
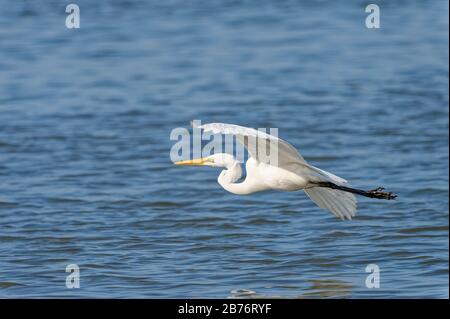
85 173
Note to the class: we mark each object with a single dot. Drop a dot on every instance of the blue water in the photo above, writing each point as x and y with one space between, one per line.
86 177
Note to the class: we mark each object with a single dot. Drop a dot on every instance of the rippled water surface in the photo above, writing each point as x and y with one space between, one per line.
85 172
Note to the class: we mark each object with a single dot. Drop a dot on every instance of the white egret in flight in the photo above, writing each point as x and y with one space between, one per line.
291 173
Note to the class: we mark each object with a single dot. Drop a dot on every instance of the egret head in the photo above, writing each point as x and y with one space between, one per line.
215 160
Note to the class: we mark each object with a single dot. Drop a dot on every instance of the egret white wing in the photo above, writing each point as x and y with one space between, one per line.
288 156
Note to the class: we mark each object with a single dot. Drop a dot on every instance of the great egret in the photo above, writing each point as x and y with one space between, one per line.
291 173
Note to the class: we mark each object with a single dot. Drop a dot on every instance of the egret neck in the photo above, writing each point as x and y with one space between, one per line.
230 175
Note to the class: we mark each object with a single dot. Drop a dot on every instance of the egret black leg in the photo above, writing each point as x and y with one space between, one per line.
373 193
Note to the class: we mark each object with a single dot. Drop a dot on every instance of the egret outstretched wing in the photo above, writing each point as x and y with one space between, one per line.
251 139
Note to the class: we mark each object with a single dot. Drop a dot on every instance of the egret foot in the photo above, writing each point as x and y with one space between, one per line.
378 193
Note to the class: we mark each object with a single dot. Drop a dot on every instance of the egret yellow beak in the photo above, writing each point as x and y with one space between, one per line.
198 161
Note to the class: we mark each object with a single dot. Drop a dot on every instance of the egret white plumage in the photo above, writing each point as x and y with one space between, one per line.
291 173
